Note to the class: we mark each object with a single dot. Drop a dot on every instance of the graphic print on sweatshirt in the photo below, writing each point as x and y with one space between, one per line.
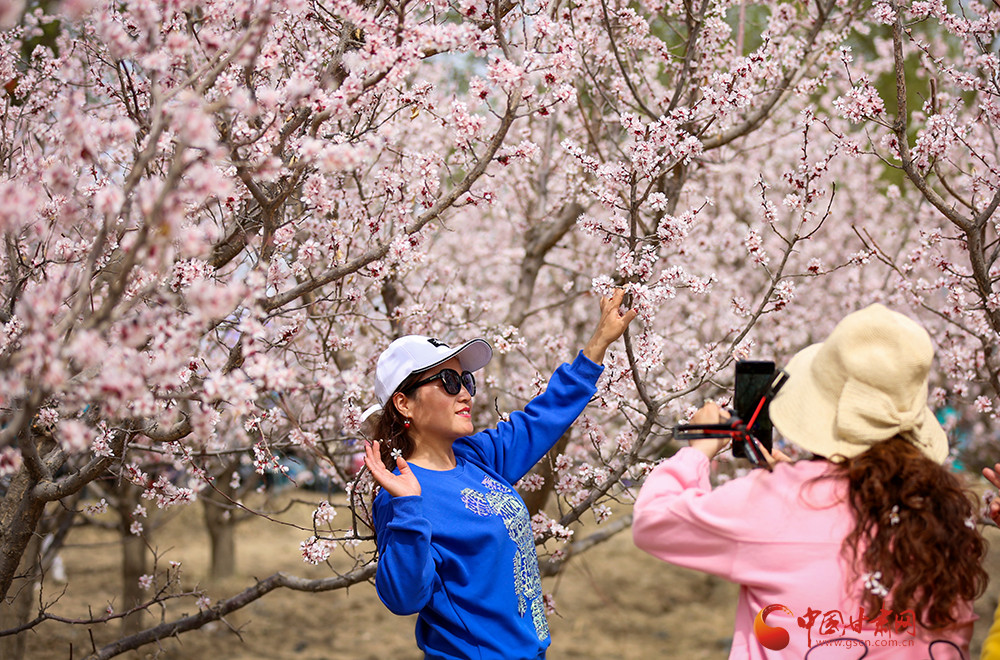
504 502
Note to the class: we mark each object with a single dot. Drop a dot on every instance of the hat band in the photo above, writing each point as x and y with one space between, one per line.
867 414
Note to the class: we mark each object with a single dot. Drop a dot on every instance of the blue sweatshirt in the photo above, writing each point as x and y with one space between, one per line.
462 554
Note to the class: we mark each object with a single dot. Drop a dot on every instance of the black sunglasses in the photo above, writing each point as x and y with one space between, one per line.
451 380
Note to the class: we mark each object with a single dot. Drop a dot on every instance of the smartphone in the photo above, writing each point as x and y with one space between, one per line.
753 377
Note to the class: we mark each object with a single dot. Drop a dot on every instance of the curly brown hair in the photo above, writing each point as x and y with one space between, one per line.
912 526
389 428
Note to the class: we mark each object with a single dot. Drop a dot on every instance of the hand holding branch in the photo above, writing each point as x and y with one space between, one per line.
610 327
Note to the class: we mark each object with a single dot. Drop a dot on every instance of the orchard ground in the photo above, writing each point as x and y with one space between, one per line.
613 602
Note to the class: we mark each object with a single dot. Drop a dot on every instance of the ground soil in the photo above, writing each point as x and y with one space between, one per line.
613 602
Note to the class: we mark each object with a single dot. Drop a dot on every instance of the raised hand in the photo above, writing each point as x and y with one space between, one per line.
993 476
610 327
398 485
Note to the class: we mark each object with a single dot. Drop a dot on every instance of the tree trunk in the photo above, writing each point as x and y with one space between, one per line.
221 526
16 610
134 558
223 537
20 512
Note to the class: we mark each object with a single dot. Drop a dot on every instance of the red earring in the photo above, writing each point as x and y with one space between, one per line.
406 423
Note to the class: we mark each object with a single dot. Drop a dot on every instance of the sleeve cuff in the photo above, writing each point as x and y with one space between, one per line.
691 456
694 466
587 367
409 506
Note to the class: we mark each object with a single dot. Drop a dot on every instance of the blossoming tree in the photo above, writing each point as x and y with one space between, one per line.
216 214
936 126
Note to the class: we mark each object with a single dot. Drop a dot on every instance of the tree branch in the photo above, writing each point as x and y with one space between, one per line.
443 203
551 567
540 240
221 609
764 111
899 127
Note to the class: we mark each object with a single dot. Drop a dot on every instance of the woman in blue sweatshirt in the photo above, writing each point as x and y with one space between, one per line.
454 537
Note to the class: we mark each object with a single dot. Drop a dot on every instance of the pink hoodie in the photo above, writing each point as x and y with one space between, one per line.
778 535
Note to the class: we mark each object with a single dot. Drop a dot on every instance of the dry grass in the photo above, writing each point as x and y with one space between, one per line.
614 602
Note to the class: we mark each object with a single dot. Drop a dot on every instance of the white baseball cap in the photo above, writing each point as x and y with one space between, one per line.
414 353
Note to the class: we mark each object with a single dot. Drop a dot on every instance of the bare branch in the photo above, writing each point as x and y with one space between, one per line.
540 240
221 609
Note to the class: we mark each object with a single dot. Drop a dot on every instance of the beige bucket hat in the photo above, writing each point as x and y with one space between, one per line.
866 383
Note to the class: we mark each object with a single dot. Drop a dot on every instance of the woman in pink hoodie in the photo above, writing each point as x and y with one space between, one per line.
868 549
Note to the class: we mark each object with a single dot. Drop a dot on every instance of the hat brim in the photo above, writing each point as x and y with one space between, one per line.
473 355
807 417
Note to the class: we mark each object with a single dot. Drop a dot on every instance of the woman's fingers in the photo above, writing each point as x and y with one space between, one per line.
774 456
993 475
781 457
614 300
710 413
398 485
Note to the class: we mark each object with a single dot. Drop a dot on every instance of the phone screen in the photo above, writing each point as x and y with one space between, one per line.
752 380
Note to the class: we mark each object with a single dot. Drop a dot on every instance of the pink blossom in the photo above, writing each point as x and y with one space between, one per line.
531 482
506 74
75 436
937 136
101 446
755 247
783 293
47 418
740 306
601 513
324 513
167 494
10 12
882 12
544 526
625 441
316 550
10 461
101 506
214 300
861 102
